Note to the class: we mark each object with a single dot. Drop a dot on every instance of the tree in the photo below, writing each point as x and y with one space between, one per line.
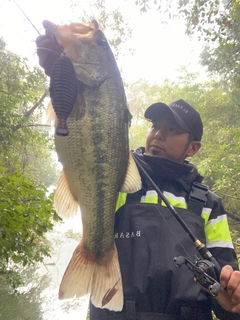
216 23
26 142
111 21
25 304
26 215
26 208
210 19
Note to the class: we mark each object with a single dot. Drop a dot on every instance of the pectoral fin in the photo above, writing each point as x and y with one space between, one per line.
64 202
132 182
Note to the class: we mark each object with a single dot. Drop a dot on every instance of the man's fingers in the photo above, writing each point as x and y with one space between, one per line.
50 29
48 49
230 280
46 24
40 39
225 275
233 287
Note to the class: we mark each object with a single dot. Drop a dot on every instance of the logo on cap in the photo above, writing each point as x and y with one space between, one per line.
175 105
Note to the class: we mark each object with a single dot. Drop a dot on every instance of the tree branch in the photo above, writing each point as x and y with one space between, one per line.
29 112
228 5
6 272
228 195
30 125
233 216
35 125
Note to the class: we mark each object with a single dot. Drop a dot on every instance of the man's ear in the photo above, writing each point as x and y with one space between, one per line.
193 148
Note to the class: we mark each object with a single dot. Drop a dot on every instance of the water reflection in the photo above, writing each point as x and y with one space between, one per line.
65 239
52 308
38 299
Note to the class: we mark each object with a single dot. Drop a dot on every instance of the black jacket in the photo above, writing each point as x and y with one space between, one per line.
148 238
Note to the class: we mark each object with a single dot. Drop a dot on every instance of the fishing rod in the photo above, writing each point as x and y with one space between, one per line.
206 270
26 16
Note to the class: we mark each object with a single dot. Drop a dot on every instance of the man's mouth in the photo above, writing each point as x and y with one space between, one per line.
155 146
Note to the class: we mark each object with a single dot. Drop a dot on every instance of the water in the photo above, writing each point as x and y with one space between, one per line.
52 307
65 239
38 298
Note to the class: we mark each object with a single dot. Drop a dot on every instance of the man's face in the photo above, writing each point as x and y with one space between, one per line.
168 140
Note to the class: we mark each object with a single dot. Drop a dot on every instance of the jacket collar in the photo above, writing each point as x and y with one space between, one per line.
163 170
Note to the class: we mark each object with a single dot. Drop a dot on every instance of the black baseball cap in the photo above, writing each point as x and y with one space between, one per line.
185 115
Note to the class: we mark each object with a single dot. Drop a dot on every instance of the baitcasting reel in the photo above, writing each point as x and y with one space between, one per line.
204 272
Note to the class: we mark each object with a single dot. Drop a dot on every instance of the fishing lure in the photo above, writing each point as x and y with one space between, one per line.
63 92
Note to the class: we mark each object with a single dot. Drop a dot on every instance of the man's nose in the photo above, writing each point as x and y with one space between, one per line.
159 134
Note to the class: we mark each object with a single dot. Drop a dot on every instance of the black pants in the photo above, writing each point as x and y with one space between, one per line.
130 314
143 316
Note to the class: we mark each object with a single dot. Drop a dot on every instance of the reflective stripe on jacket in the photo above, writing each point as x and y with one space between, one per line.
215 226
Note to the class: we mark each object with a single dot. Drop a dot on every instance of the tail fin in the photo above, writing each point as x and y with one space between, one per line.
100 278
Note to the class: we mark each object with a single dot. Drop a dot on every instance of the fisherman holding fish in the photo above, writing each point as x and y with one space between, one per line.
146 234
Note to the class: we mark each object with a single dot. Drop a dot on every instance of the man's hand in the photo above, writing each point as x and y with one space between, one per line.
229 298
48 49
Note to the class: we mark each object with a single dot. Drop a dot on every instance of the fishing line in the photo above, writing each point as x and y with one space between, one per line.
26 16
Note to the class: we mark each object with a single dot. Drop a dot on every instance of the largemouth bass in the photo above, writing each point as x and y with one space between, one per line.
92 145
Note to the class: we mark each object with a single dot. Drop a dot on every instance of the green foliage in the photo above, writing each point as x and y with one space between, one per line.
220 55
111 21
139 95
26 168
217 24
73 235
25 144
25 303
26 214
211 20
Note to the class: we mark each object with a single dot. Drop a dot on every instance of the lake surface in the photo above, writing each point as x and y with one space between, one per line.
54 268
38 298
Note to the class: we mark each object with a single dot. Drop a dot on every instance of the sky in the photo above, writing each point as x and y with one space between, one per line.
159 49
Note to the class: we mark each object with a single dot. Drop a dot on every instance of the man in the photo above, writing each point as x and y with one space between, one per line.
147 235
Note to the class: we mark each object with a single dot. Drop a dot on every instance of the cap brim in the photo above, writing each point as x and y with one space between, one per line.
159 109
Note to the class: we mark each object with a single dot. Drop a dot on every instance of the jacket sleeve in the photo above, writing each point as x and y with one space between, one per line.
218 237
221 313
219 243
